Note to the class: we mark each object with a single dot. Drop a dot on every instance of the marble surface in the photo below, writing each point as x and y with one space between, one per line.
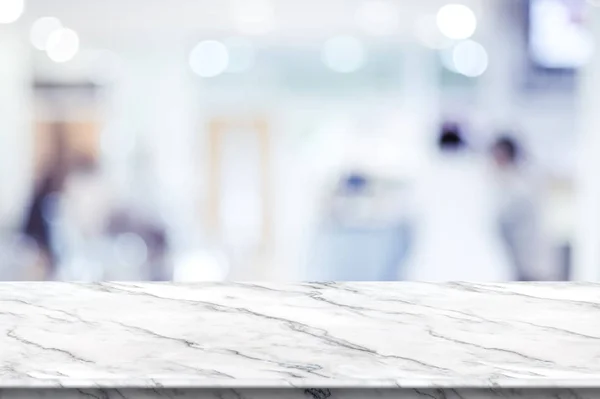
310 336
300 394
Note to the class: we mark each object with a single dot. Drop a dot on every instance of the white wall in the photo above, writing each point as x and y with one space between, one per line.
546 118
151 131
15 126
587 237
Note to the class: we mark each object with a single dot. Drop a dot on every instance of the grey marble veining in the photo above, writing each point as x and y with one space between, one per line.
431 339
301 394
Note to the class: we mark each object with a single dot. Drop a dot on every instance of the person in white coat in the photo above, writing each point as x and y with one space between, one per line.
456 234
518 199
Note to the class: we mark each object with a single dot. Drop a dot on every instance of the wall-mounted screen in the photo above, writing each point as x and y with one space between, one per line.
558 38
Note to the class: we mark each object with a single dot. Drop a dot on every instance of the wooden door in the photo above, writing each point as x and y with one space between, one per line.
239 211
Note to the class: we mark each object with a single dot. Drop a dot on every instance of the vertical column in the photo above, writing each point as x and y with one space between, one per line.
175 137
586 248
15 126
421 103
122 124
500 33
151 127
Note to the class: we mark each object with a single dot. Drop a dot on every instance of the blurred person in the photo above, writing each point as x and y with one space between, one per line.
358 241
38 227
518 218
38 221
351 197
455 236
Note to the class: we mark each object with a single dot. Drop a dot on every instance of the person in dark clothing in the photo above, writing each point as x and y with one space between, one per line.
451 138
37 224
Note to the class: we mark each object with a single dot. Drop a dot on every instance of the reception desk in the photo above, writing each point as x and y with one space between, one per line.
299 340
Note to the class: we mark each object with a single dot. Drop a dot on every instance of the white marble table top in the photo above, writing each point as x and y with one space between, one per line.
275 335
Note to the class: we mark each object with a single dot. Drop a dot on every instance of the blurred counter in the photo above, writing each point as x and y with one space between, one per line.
238 340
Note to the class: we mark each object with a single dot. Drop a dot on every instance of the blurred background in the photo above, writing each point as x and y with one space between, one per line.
196 140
